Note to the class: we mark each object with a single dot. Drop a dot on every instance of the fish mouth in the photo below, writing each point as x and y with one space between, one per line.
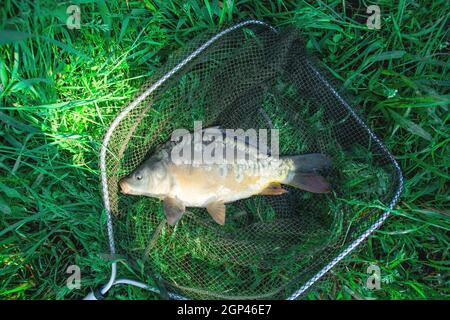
124 187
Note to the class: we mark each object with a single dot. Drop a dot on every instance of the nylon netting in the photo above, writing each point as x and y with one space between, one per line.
255 78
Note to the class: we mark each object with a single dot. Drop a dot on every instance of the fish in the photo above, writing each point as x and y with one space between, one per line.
213 184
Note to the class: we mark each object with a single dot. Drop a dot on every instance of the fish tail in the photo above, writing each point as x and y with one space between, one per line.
302 172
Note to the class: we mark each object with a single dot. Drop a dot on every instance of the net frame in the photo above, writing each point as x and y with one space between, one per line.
104 178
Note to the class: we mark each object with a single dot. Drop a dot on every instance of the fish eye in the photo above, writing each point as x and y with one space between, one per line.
138 177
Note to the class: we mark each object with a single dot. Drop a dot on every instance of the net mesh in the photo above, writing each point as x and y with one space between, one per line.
252 77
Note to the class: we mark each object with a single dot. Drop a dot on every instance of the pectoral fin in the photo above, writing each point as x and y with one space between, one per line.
273 189
173 209
217 211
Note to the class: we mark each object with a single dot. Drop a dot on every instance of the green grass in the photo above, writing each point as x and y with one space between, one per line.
60 88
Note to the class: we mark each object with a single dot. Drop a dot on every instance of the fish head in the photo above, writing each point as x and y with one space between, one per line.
149 179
